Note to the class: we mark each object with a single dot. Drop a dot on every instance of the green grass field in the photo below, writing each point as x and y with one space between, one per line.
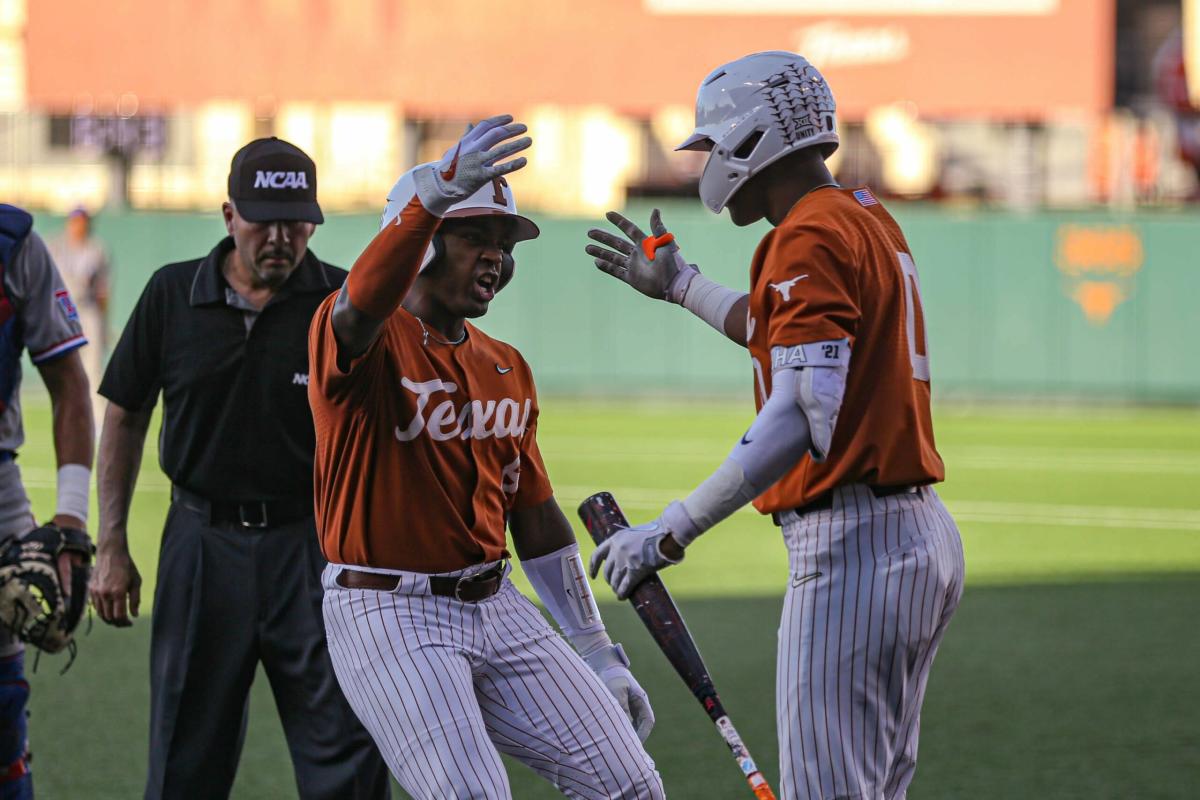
1069 671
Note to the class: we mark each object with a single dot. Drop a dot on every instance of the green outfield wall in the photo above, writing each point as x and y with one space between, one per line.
1089 305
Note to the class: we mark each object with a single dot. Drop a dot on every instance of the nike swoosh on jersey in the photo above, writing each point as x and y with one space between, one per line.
449 172
745 440
800 580
503 370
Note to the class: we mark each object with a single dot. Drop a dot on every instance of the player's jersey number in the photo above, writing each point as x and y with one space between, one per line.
914 319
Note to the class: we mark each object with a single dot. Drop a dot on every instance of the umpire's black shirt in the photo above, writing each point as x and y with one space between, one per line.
236 423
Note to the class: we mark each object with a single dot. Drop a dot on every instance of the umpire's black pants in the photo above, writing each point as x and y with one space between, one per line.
227 598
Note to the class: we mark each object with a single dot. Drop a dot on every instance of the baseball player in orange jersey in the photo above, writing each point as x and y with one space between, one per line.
841 453
426 446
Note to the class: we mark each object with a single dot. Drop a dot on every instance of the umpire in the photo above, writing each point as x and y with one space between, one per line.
225 339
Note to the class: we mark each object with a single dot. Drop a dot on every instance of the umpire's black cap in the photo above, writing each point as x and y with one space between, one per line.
271 179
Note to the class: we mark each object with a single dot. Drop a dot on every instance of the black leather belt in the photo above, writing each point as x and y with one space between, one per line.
250 514
469 590
825 501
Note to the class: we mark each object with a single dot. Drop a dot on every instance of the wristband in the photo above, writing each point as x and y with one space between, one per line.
680 283
73 484
589 644
606 657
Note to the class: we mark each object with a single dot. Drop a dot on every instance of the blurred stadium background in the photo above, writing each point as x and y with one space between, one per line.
1043 158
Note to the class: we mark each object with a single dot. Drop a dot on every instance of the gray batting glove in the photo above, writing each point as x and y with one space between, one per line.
612 666
630 556
471 164
651 264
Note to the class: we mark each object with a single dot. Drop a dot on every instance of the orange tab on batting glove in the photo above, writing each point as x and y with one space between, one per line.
651 244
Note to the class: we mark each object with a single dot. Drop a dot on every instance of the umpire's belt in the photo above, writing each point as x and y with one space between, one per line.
825 501
249 514
470 589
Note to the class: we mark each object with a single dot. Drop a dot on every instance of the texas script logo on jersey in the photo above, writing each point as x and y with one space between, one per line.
266 179
785 288
475 419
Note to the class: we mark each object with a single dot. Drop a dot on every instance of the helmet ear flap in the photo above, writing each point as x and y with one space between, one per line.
508 266
439 247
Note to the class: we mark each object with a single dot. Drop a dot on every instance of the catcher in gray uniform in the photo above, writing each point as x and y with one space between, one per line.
43 570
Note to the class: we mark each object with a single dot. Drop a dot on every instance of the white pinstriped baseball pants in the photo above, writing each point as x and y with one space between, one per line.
873 584
442 685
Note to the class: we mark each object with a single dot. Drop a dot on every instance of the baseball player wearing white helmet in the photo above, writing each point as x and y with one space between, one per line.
426 452
841 453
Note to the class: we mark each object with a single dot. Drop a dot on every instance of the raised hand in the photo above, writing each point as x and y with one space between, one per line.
474 162
651 264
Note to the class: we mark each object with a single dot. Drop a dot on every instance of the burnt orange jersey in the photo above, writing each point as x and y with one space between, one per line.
422 447
838 267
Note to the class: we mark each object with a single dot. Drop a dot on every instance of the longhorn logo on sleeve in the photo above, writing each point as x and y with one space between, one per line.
475 419
785 288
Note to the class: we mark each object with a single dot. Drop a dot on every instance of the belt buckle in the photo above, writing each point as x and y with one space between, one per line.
262 522
458 589
461 582
479 577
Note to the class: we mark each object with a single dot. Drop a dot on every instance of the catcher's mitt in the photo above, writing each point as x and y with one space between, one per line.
33 606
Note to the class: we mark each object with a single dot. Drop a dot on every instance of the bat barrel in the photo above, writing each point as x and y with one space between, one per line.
602 516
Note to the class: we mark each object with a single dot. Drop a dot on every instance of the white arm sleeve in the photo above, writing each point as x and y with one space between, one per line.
807 385
709 300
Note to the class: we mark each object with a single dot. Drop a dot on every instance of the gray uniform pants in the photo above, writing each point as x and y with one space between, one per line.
227 598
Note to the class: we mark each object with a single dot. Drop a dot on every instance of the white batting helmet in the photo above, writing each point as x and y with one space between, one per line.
493 198
752 112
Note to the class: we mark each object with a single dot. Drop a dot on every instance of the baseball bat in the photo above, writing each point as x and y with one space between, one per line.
602 517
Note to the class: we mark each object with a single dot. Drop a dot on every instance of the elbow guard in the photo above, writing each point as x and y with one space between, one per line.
821 369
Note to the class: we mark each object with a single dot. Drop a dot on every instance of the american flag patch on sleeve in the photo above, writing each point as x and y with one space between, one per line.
865 198
67 304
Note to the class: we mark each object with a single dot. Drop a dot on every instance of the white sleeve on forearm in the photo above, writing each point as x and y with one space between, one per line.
710 301
561 584
778 438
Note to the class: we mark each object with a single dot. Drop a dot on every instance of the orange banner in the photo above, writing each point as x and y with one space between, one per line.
1011 59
